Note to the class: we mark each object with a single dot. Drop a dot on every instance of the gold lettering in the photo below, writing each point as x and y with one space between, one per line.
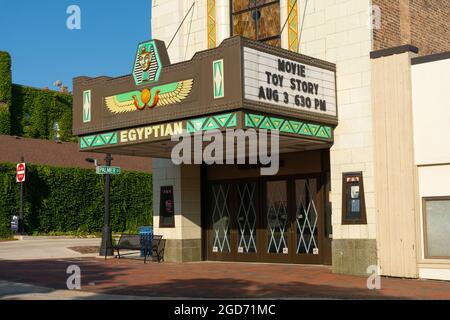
147 132
168 131
140 131
123 136
178 128
132 135
156 130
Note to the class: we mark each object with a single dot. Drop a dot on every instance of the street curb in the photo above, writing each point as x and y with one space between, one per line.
53 237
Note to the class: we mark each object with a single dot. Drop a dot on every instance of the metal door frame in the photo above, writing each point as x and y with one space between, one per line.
261 230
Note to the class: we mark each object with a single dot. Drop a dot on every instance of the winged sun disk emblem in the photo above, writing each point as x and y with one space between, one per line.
158 96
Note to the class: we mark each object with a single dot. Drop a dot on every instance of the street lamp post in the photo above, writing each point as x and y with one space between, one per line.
106 248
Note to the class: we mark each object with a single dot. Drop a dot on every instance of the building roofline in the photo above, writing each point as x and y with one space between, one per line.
431 58
394 50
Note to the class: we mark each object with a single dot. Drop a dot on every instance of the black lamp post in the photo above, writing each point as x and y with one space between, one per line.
106 248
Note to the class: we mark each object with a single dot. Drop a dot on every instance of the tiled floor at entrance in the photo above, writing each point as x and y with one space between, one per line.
215 280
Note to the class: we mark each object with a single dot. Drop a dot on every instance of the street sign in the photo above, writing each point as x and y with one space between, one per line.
108 170
20 172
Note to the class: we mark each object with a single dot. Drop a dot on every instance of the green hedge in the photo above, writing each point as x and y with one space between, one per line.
5 93
35 110
71 199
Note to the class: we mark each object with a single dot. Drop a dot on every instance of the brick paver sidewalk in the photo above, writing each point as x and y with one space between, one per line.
215 280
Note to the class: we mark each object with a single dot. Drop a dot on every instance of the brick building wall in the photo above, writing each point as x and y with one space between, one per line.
430 28
422 23
64 154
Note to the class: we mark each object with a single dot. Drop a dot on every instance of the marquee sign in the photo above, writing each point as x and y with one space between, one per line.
213 88
274 80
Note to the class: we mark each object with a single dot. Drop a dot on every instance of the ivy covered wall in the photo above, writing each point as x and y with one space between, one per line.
35 111
5 93
32 112
72 200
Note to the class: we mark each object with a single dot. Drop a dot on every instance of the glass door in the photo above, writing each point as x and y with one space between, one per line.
246 220
308 221
219 237
266 220
277 221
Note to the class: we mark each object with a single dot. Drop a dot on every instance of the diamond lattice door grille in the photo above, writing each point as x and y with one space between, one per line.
221 217
246 217
306 216
277 216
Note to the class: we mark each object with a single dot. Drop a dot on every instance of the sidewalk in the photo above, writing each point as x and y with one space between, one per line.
214 280
44 248
22 291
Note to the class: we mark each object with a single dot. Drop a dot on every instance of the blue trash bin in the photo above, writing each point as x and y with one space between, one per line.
146 237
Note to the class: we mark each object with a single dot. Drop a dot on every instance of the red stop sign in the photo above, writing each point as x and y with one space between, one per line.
20 172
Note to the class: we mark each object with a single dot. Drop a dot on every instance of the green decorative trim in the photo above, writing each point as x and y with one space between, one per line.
218 79
222 121
86 106
288 126
267 124
233 122
211 124
99 140
223 118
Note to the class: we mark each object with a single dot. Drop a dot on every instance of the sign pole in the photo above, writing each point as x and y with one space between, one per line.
106 248
21 227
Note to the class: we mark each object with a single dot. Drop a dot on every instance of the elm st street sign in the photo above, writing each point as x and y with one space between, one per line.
108 170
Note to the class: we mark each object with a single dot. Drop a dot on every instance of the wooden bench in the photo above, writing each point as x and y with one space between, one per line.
133 242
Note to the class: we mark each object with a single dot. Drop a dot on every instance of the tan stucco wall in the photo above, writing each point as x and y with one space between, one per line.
395 173
185 180
431 114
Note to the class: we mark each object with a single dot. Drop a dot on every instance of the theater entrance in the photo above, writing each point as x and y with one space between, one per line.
278 219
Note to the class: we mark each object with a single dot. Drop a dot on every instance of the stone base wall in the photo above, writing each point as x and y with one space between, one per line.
179 250
354 256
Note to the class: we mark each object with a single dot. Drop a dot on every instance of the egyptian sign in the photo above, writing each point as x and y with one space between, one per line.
274 80
154 132
238 75
140 134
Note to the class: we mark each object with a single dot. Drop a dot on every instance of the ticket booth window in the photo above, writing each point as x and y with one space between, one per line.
353 204
257 20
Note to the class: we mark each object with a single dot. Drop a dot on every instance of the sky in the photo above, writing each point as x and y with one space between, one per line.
45 50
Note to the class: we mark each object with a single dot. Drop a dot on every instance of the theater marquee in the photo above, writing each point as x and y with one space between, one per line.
240 84
272 79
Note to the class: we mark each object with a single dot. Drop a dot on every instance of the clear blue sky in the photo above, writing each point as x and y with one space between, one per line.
44 50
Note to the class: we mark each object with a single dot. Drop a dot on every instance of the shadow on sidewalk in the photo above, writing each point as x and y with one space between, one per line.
204 280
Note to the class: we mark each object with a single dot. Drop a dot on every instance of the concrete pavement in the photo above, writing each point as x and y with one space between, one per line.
46 248
21 291
37 269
